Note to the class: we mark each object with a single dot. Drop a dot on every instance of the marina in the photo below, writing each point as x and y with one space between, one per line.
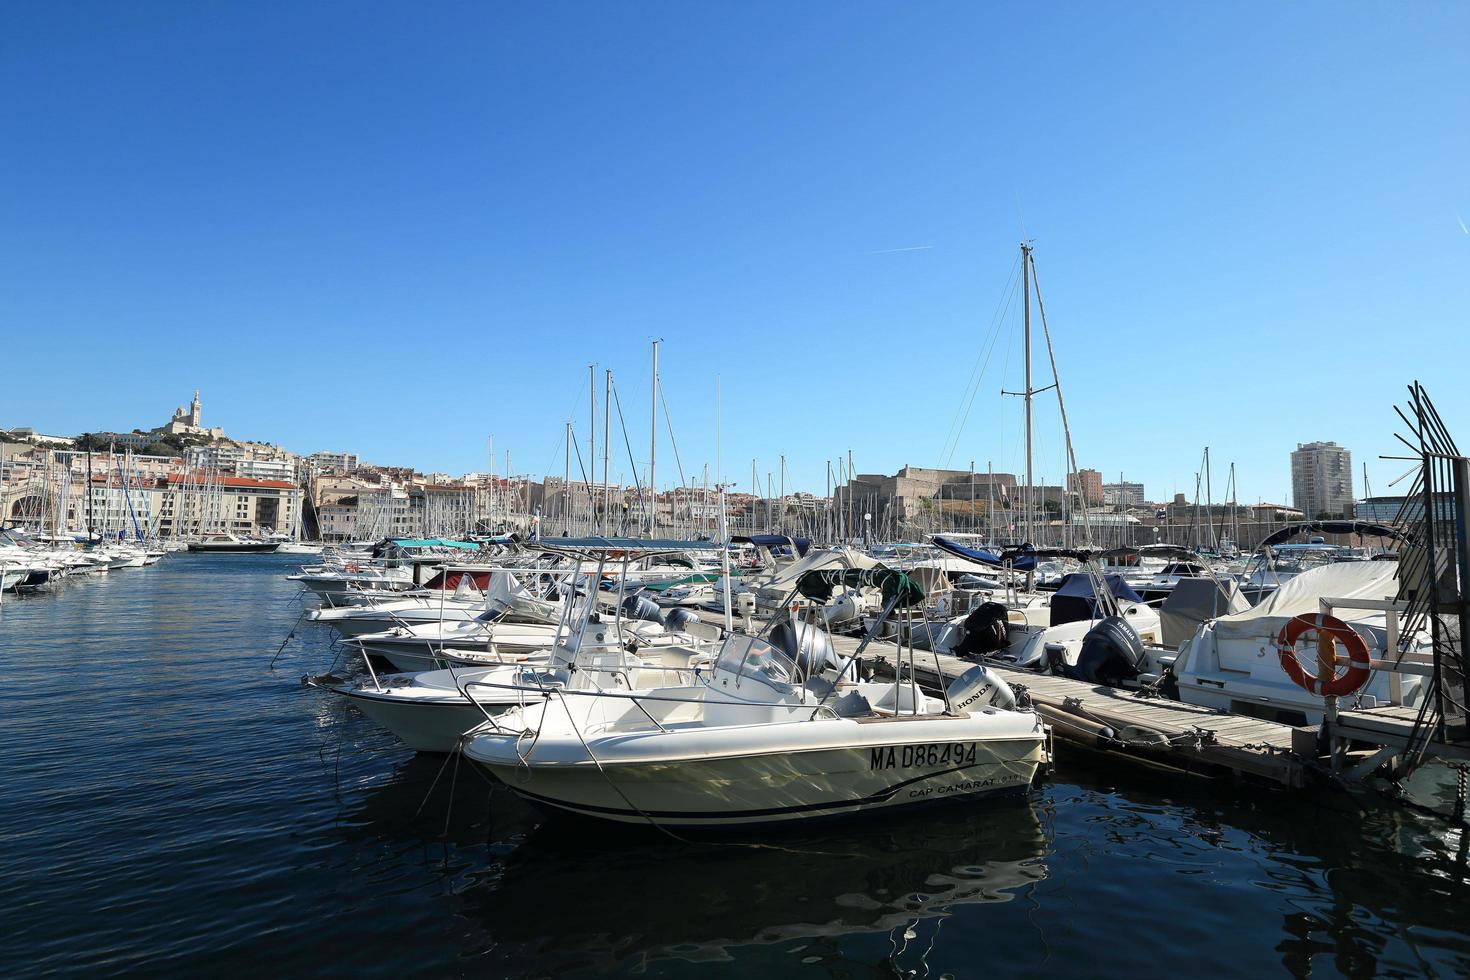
734 490
319 804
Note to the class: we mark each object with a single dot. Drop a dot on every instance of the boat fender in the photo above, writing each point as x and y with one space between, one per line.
1111 653
979 687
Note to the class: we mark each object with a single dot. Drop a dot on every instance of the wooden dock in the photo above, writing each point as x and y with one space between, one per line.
1151 730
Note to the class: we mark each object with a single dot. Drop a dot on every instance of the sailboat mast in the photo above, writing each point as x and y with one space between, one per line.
1026 290
653 446
88 488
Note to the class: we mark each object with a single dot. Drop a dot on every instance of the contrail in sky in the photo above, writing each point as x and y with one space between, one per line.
1462 223
920 248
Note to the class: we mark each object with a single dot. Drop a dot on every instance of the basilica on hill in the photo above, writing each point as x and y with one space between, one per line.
188 423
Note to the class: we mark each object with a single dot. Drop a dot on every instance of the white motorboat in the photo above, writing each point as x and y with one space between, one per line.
430 710
232 544
1233 663
763 737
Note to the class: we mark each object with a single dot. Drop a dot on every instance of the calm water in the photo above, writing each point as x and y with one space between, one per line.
169 804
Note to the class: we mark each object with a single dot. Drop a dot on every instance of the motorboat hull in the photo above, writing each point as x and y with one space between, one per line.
424 724
234 547
765 788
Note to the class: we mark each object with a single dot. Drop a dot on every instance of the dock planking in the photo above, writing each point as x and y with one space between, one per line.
1184 736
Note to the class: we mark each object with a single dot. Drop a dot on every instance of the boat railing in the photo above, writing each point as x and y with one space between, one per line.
545 693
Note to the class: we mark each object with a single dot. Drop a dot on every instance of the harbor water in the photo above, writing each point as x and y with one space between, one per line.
174 804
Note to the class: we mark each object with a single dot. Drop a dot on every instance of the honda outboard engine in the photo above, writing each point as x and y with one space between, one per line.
1111 653
806 644
676 619
641 607
979 687
985 631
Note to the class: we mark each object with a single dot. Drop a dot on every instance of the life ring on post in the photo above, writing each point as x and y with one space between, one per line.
1359 663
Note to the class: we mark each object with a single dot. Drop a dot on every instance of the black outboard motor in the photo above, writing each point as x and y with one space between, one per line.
985 631
1111 653
677 618
641 607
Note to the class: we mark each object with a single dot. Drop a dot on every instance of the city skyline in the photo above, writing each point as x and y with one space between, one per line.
318 265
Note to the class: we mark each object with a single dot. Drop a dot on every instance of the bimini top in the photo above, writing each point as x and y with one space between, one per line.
433 543
1335 527
818 584
774 541
1022 559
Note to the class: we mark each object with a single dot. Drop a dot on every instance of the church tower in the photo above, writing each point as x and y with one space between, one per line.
194 410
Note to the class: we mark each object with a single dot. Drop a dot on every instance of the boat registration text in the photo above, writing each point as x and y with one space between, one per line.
921 756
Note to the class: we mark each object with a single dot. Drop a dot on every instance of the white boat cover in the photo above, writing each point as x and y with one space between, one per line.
1301 594
821 559
1195 601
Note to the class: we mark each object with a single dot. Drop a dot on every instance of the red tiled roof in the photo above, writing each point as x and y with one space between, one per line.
231 481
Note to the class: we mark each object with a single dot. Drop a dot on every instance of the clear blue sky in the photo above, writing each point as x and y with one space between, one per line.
397 228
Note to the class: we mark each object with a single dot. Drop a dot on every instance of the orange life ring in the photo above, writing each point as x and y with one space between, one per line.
1359 663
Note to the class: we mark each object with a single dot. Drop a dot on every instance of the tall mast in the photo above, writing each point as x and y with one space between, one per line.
88 488
591 441
653 447
606 442
1026 289
566 482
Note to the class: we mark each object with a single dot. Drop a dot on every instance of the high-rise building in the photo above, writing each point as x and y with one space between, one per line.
1322 479
1088 484
1124 494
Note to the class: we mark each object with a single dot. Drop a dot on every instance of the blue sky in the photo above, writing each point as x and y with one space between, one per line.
397 228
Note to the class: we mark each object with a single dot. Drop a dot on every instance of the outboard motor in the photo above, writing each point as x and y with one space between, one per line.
1111 653
979 687
985 631
806 644
677 618
841 610
641 607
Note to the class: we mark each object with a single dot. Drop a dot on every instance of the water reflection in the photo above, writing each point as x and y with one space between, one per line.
697 901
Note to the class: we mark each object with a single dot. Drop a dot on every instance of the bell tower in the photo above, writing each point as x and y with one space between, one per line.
194 410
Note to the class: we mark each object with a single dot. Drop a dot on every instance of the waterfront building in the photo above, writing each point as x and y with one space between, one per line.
1124 494
1322 479
1088 485
1387 510
334 462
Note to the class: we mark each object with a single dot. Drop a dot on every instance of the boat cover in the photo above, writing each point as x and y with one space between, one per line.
819 583
1021 559
802 545
1301 594
1074 599
1195 601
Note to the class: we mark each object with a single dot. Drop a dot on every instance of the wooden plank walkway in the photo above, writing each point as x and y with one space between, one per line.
1183 736
1153 731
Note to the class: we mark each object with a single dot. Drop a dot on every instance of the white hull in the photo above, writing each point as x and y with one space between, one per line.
875 774
424 724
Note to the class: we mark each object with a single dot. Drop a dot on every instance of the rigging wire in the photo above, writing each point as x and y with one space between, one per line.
982 361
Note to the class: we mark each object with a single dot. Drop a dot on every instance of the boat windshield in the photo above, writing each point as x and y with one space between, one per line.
750 656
